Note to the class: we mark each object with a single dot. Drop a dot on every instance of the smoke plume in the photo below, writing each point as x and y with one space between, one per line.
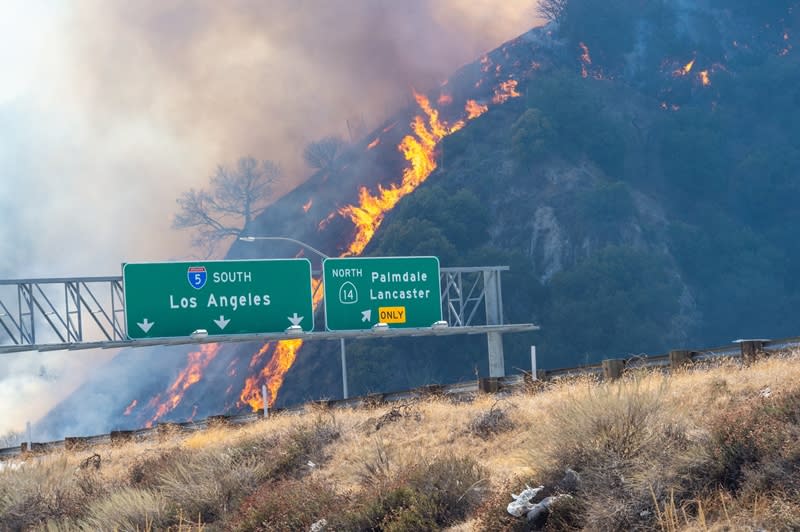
123 106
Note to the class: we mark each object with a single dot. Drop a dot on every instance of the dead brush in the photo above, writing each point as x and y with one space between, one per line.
127 509
376 472
38 492
290 504
305 443
402 411
427 493
623 438
487 424
208 484
145 470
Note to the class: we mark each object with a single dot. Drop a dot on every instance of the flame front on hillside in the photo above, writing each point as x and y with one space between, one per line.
271 374
685 69
191 374
474 109
419 150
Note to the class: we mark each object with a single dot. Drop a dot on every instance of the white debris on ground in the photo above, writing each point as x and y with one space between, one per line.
544 505
522 505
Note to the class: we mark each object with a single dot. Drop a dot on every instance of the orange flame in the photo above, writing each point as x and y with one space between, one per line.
272 375
325 221
374 143
130 408
257 356
704 78
191 374
419 150
586 59
282 359
506 90
316 292
307 205
685 69
474 109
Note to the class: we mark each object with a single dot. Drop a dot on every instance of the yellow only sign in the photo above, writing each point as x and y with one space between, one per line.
392 314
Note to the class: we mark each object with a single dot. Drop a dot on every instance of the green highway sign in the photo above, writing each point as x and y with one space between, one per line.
222 297
399 291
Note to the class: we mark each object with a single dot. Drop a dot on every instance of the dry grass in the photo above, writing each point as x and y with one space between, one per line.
710 448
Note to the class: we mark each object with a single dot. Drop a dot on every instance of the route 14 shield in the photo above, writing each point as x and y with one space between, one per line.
197 276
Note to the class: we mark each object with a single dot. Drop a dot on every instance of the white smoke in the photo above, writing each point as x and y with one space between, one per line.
109 110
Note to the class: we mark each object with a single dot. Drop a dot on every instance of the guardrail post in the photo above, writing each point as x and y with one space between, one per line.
120 436
75 443
217 421
494 316
489 385
750 350
612 368
679 358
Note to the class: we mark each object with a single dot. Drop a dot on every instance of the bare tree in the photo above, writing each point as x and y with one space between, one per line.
11 438
322 154
236 198
552 10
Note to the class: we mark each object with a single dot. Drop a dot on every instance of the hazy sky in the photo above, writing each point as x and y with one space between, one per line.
110 109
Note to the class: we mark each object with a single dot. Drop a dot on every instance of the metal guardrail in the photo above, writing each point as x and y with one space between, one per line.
461 389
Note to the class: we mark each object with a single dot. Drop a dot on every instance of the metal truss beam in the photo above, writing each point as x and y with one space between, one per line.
88 313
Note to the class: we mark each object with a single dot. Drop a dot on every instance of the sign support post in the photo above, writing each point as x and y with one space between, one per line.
344 369
494 316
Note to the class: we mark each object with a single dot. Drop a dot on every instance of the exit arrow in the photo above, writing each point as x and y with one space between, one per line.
145 325
221 322
366 315
295 319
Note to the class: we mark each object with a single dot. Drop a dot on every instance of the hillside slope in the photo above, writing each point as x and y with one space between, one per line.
636 166
644 188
